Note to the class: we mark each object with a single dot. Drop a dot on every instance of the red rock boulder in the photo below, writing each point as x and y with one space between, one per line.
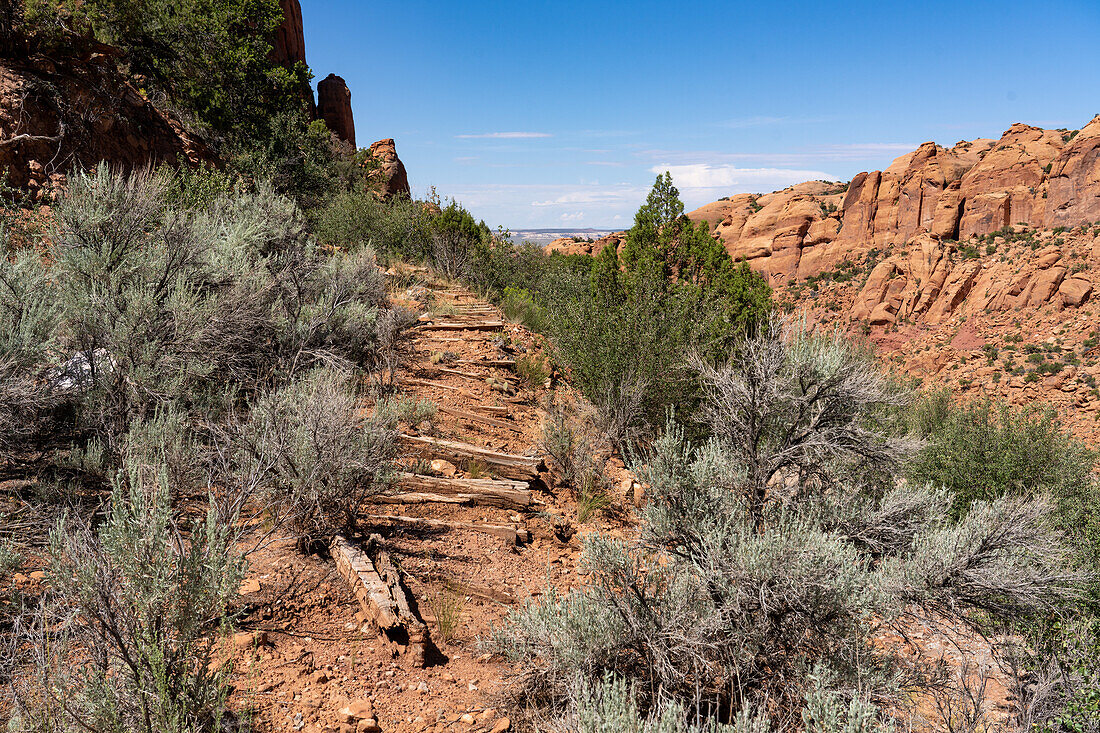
387 176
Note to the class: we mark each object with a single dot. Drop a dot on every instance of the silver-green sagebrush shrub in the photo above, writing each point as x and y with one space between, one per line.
315 456
28 323
610 705
763 571
165 307
126 637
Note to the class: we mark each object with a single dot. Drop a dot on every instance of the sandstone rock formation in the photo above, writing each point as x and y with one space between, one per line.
334 107
56 114
388 177
288 46
570 246
1031 176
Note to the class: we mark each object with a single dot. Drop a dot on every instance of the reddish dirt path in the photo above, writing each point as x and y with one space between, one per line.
304 651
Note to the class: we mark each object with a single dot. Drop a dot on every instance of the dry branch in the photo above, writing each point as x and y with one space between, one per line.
504 464
507 532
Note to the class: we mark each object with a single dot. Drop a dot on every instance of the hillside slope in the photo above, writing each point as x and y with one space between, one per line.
975 266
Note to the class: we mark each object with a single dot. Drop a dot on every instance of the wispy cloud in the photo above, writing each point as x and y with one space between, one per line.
702 175
806 157
608 163
593 196
740 123
503 135
871 148
545 205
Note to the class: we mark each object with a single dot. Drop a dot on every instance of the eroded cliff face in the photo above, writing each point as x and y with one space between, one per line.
1030 176
387 176
334 107
59 114
975 266
288 46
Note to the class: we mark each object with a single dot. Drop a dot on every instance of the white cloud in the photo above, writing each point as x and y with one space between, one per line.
572 216
872 148
504 135
593 196
702 175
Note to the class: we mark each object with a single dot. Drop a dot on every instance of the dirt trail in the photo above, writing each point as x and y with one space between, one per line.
306 648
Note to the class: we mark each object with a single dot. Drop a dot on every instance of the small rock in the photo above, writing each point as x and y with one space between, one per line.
249 586
243 639
444 468
369 725
361 709
502 725
467 719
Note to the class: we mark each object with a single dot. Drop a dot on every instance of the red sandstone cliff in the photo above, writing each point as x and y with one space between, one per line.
1031 176
334 107
56 114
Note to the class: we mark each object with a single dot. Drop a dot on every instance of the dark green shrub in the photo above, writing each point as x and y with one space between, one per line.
987 450
350 219
984 450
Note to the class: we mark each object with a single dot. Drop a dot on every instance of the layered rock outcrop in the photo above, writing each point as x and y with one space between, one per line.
288 46
387 174
59 114
1031 176
334 107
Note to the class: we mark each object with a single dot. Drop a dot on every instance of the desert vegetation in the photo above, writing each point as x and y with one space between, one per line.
187 356
161 348
775 551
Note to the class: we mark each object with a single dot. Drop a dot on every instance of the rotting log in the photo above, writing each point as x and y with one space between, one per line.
380 589
474 417
508 532
477 491
501 363
503 464
473 326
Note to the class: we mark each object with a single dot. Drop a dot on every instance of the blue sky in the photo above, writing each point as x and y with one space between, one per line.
540 114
